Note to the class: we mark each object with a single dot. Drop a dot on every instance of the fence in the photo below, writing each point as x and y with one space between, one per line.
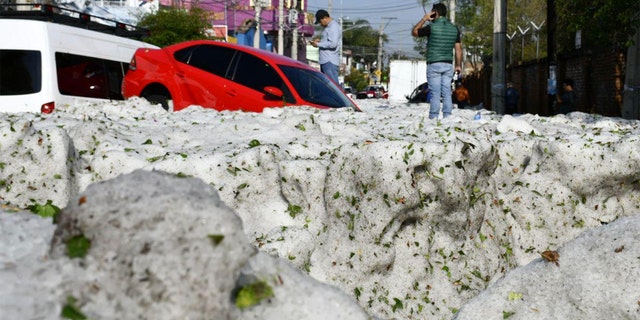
598 77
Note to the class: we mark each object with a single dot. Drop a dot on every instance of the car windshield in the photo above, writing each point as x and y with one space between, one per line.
316 88
20 72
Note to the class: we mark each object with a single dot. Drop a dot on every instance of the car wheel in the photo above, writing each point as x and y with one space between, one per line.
160 99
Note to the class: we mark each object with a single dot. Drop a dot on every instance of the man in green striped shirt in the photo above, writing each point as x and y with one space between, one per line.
442 38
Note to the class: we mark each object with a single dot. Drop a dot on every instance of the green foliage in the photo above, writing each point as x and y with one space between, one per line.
294 210
48 210
357 80
362 39
216 239
70 311
397 305
253 293
514 296
78 246
475 20
254 143
603 23
170 26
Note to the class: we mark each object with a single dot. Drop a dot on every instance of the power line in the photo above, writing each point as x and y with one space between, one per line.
370 9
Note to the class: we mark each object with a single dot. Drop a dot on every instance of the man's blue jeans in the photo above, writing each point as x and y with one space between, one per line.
439 77
330 70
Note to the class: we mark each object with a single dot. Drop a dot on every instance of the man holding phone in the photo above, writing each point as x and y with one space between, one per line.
442 38
329 45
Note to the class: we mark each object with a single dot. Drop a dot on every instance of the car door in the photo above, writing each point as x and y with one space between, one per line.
252 75
203 75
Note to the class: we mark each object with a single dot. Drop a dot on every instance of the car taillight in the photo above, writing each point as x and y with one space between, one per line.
48 107
85 18
132 64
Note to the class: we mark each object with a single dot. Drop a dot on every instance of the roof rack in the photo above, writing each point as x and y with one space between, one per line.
66 16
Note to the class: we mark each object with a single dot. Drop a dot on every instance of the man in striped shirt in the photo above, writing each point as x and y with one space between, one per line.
443 37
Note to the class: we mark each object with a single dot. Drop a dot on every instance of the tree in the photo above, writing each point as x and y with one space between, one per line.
420 43
362 40
603 23
169 26
399 55
475 20
357 80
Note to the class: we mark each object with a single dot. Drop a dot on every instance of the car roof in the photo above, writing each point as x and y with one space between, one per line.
267 55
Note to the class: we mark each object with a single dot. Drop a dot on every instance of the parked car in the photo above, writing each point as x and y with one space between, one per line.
373 91
226 76
51 56
349 92
420 94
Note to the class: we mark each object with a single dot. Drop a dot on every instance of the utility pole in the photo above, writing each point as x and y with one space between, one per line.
226 8
341 49
294 30
551 55
281 27
498 79
256 37
452 11
380 44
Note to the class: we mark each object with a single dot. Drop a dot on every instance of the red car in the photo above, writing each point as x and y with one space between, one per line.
226 76
373 91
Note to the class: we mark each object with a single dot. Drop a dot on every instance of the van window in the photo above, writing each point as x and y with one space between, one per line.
89 77
20 72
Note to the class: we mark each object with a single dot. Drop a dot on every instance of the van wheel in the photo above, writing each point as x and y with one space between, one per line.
159 99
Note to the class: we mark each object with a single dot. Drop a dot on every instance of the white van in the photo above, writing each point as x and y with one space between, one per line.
52 56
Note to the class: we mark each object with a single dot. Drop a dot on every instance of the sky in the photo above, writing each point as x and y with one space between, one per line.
404 15
344 215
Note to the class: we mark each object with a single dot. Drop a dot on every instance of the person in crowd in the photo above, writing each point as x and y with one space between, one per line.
566 101
328 45
461 96
511 99
443 37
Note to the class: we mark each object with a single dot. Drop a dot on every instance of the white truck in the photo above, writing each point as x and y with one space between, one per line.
51 56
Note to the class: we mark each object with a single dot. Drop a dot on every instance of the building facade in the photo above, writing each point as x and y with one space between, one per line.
233 14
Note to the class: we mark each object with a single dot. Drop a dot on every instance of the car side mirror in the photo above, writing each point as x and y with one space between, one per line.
274 92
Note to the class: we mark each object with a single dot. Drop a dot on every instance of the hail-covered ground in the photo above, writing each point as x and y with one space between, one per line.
301 213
